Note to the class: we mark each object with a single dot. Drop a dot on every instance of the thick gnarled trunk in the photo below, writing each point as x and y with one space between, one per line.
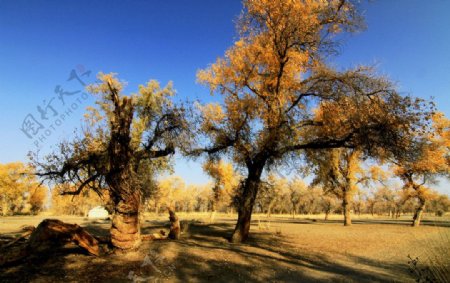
125 227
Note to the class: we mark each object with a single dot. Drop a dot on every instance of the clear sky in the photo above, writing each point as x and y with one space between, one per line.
41 42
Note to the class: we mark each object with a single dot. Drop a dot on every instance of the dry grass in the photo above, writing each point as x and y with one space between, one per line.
281 249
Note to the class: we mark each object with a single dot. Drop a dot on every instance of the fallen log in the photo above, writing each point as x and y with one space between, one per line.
50 233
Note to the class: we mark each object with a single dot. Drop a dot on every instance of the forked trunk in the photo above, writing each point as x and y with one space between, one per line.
418 213
246 204
125 228
346 204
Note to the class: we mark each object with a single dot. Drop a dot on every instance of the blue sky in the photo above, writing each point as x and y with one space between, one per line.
42 41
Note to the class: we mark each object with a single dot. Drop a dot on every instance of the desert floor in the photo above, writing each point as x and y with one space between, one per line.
281 249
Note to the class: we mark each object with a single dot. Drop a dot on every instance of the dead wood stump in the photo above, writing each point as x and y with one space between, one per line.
175 229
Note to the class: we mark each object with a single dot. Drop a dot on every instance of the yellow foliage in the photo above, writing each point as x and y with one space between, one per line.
225 180
37 199
434 154
261 74
17 185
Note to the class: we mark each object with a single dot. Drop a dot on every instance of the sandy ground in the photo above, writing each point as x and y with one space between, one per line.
281 249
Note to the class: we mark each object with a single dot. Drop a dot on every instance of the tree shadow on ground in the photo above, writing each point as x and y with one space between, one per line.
202 255
40 266
273 258
97 229
72 264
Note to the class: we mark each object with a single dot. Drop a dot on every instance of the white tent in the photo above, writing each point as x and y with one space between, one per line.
98 212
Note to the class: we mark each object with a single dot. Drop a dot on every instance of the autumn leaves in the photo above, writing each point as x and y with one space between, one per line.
281 98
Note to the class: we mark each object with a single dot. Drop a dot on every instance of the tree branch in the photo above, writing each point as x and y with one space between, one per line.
81 187
320 144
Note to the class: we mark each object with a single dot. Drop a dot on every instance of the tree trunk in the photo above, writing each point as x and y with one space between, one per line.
242 228
213 212
418 213
269 210
327 213
346 204
156 208
246 204
125 228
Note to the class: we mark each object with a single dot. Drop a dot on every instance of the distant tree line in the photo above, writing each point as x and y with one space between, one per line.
278 195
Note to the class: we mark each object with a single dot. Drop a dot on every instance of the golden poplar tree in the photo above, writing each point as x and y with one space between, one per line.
225 181
122 135
273 78
20 189
429 159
